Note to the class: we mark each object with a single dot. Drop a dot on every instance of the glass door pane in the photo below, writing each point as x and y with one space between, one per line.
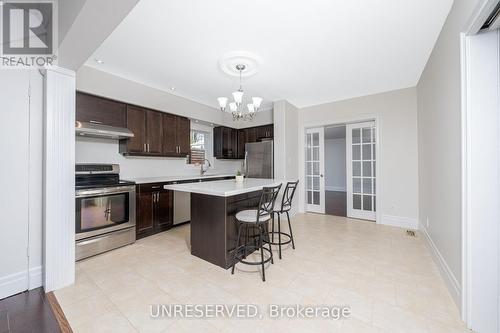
361 173
314 170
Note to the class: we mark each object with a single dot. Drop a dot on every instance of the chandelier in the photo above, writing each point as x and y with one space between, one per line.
237 108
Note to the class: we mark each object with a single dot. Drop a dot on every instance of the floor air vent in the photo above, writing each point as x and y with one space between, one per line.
411 233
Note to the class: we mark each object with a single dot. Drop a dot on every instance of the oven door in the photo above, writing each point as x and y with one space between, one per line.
103 210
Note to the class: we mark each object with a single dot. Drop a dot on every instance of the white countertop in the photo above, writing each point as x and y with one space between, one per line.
146 180
226 188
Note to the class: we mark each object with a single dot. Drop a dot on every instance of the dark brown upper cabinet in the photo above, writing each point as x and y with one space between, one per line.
250 134
147 127
184 135
156 133
225 142
241 143
265 132
136 122
170 146
99 110
229 143
176 135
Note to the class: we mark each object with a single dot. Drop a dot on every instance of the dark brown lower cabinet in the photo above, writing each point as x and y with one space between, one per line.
154 209
214 231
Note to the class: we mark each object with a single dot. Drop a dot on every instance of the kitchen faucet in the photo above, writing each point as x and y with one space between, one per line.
202 170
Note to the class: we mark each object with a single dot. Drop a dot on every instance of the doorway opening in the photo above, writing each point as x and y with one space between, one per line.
340 170
335 171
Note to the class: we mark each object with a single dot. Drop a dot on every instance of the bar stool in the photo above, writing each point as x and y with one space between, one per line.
256 218
286 206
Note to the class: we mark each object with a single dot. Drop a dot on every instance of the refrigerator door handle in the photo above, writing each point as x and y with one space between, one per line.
246 163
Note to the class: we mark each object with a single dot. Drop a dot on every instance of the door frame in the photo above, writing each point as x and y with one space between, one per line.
349 176
338 121
479 15
321 207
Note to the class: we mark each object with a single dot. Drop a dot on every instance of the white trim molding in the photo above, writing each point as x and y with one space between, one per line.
449 278
35 277
336 188
399 221
59 179
301 133
13 283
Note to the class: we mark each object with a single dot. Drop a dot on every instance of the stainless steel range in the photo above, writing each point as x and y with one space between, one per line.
105 209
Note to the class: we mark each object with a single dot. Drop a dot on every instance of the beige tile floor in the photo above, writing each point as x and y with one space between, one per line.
387 278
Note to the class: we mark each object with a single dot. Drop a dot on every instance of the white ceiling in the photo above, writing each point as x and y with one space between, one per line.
311 52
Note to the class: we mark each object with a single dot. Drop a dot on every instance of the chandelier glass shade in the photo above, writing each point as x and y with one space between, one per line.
237 108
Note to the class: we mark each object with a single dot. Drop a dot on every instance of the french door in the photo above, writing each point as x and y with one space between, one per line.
361 166
315 169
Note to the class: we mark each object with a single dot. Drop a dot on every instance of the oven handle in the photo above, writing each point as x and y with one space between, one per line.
105 191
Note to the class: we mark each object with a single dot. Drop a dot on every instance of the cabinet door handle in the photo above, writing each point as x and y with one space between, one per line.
148 147
95 122
157 186
144 148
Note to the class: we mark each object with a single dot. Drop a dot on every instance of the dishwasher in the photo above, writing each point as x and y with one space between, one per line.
182 200
182 203
182 207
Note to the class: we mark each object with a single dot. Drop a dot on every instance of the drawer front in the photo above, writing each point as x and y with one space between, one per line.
152 187
91 246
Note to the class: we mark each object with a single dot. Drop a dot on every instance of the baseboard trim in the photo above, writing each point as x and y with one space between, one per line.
399 221
335 188
13 284
21 281
35 277
449 278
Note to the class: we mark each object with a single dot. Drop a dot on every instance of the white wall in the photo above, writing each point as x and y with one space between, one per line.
21 177
286 152
395 113
482 181
335 165
439 144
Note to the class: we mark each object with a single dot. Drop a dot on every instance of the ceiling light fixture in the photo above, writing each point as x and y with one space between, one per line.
99 61
237 107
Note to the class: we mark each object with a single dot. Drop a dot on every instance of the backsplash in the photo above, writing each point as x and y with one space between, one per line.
91 150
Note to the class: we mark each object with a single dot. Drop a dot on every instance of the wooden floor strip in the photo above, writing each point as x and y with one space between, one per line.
58 313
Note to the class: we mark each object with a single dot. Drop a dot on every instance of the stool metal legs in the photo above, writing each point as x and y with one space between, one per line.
290 227
280 233
254 246
236 249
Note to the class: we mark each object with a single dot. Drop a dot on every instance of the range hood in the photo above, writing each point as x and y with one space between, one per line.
94 130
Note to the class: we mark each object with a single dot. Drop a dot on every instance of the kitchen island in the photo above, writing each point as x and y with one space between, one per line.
213 209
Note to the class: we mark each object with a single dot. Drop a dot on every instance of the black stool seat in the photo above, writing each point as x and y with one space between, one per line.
256 219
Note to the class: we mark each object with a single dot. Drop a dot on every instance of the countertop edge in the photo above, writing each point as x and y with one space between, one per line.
230 193
165 179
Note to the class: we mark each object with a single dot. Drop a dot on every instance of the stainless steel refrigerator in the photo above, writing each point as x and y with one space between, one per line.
259 159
